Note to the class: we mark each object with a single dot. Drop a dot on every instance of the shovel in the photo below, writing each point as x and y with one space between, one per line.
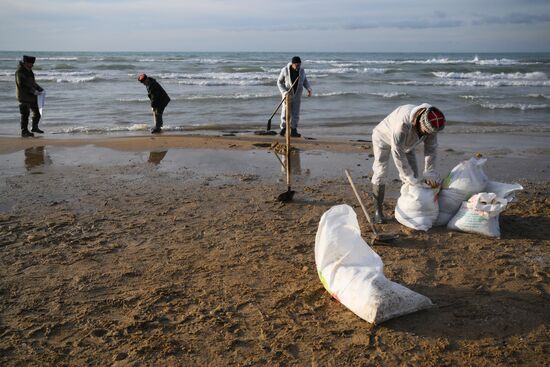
378 237
287 196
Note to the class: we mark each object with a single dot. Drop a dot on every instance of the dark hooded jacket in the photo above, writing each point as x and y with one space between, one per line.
26 85
158 96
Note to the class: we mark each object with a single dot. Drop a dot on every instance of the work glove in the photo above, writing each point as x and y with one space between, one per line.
433 179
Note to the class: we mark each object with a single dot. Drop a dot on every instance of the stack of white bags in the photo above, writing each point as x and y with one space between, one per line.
467 201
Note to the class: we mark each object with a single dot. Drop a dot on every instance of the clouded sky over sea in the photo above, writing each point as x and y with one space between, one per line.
282 25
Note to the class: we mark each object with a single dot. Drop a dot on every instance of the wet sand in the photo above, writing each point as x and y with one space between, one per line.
172 250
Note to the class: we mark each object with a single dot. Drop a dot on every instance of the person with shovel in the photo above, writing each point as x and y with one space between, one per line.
399 134
159 100
27 91
286 85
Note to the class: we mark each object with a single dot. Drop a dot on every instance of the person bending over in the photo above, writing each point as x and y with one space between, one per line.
398 135
159 100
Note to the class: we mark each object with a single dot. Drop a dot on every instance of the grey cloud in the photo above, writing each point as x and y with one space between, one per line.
514 18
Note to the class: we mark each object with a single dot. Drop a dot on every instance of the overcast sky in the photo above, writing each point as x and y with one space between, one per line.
281 25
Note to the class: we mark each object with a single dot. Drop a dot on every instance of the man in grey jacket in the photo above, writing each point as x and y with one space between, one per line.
287 77
27 91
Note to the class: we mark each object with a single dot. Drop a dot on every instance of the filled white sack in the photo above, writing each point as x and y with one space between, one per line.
417 206
464 180
353 273
479 214
503 190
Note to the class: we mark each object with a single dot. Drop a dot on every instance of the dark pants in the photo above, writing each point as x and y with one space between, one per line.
25 109
157 115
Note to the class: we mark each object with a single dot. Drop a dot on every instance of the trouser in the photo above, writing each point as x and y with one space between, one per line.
157 116
294 112
380 165
25 109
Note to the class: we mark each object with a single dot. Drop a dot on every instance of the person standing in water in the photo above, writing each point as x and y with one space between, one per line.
288 75
159 100
27 91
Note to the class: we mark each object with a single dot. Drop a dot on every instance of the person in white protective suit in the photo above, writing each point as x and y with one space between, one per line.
398 135
286 78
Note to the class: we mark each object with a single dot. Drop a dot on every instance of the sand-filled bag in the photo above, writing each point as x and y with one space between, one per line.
464 180
503 190
480 214
354 274
417 206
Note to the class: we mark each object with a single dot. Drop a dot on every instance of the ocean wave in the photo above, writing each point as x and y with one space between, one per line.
60 58
64 67
244 96
219 76
536 75
477 83
538 96
346 70
335 94
435 60
481 97
67 77
221 83
131 100
495 83
514 106
101 130
390 94
111 59
113 67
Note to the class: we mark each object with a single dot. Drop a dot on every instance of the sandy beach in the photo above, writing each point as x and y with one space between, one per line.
172 250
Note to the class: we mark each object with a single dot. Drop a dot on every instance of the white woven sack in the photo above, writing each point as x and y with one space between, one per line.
480 214
503 190
465 179
353 273
417 206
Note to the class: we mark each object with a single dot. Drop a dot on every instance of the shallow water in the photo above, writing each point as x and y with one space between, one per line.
97 93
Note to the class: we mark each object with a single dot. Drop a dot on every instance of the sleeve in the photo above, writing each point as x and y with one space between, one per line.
306 82
281 82
26 84
154 94
406 172
430 155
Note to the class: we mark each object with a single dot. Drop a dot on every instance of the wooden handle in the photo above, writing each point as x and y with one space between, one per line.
360 202
287 138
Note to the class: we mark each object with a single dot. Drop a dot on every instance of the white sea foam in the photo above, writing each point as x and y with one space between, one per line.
132 99
515 106
493 83
541 96
66 77
389 94
478 75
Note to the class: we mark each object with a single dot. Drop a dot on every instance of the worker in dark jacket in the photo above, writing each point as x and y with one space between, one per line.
159 100
27 92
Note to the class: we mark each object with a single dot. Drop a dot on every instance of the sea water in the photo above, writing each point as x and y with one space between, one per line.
215 93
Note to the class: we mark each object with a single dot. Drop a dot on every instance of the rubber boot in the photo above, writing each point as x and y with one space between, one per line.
35 128
158 124
378 197
25 133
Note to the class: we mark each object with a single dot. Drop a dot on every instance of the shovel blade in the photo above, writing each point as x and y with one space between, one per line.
286 196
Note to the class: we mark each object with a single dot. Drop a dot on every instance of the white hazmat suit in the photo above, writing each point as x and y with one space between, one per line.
396 135
284 83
